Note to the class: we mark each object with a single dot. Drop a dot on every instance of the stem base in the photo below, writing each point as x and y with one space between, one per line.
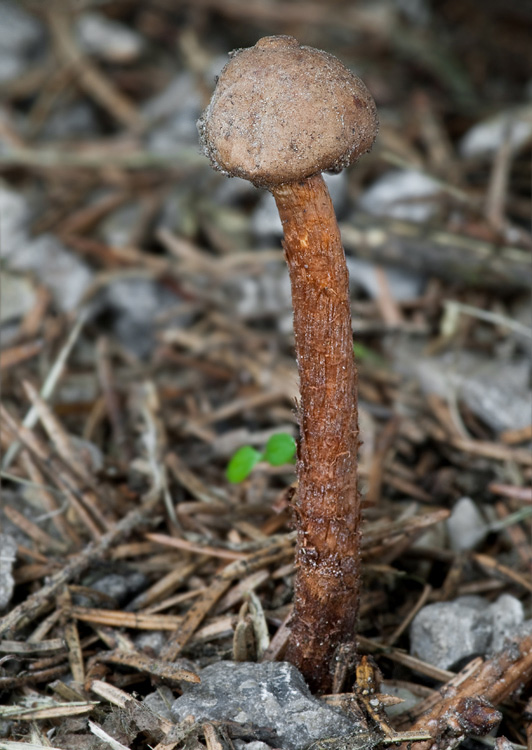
327 505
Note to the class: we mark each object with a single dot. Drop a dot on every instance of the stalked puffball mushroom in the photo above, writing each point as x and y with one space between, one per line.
280 115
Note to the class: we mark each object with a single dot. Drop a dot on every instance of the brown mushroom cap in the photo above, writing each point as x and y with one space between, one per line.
282 112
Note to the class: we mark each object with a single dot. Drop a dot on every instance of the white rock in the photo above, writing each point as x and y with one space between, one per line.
445 633
507 614
70 120
17 296
466 526
402 194
8 551
497 391
59 270
273 698
175 110
486 137
134 307
160 701
20 37
404 285
62 272
107 39
15 216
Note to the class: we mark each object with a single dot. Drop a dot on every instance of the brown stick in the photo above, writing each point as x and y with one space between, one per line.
467 707
327 506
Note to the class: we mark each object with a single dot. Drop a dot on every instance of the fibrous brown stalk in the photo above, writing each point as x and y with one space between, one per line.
327 505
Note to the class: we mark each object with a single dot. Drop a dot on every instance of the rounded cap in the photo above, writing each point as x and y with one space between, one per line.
282 112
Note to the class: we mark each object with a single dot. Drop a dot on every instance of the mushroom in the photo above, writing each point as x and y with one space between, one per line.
280 115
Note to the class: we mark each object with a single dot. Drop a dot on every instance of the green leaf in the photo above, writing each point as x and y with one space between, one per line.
364 353
280 449
241 464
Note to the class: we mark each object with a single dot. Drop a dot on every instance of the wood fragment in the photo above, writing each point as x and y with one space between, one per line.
469 707
495 568
493 450
120 619
57 433
521 542
389 309
213 742
366 689
187 546
75 656
64 529
25 647
279 641
38 535
446 255
83 500
57 711
192 482
50 383
497 189
513 437
28 610
406 660
102 735
422 600
89 77
14 355
31 679
523 494
221 582
154 667
166 585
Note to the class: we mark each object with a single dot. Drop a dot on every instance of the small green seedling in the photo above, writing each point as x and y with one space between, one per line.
280 449
365 354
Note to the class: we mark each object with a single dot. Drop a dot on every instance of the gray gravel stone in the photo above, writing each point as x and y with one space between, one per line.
496 390
56 267
175 111
486 137
466 525
269 695
444 633
507 616
402 194
150 642
118 587
135 307
45 257
404 284
160 702
17 297
8 551
107 39
70 120
16 217
21 36
256 745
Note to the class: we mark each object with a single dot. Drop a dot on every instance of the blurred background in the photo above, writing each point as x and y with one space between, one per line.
107 202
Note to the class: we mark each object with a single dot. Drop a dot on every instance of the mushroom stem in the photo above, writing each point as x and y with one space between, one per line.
327 505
